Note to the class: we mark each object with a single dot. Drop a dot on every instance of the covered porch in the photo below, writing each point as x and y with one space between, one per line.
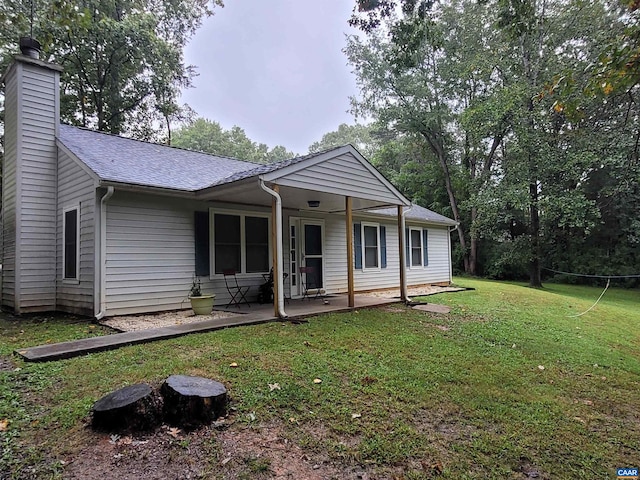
310 199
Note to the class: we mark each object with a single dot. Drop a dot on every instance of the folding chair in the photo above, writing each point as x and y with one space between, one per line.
309 281
236 292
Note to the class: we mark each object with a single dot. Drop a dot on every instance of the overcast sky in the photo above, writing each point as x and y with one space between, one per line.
274 68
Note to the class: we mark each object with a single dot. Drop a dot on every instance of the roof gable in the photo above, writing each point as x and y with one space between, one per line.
340 171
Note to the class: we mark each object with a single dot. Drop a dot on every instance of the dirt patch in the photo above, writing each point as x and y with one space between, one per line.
249 451
240 452
132 323
433 308
393 309
6 364
160 455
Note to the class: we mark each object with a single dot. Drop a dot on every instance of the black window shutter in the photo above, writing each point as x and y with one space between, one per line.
407 251
357 245
425 250
71 244
383 246
201 228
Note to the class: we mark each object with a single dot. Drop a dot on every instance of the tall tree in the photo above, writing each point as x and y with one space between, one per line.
476 80
208 136
123 59
360 136
401 83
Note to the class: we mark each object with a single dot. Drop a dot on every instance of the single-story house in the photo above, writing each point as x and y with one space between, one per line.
101 225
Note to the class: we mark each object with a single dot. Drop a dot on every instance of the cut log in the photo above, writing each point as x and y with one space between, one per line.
192 401
133 408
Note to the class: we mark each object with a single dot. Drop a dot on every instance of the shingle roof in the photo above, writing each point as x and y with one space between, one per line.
124 160
416 213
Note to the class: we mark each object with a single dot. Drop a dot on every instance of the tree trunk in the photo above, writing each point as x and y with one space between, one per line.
535 279
192 401
133 408
439 152
473 250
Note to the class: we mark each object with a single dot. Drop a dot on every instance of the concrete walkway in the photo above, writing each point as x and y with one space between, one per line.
296 309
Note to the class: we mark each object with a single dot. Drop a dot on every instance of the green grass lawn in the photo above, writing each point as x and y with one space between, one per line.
507 385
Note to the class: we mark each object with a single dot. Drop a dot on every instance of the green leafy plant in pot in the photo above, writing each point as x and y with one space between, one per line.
201 304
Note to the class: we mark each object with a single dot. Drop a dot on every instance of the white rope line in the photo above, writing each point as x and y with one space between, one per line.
591 276
591 307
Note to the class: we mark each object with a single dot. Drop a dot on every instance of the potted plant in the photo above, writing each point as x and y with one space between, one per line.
201 304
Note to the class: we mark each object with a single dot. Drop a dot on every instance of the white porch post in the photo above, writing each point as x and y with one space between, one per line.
403 262
350 288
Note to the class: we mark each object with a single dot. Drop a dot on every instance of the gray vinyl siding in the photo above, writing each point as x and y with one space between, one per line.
9 194
438 269
29 188
37 176
335 257
151 255
76 188
343 175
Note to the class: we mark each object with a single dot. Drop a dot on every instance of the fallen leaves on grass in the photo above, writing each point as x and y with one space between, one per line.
356 415
4 425
367 380
317 380
233 365
174 432
436 467
274 386
540 367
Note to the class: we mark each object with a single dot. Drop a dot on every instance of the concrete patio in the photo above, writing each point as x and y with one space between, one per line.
253 314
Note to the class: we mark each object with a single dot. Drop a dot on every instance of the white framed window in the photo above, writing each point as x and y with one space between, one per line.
370 246
416 243
71 242
240 242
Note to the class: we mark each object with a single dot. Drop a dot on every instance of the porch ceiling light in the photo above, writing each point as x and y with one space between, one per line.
313 203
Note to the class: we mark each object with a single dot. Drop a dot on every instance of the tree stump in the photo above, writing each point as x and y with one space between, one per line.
192 401
132 408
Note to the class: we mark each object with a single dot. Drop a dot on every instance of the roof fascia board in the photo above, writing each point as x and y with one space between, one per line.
130 187
421 221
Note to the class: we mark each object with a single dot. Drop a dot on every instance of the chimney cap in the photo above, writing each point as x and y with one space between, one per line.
30 47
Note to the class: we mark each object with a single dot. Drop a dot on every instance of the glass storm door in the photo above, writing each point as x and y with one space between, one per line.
312 253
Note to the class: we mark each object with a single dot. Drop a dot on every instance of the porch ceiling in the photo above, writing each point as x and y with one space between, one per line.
248 192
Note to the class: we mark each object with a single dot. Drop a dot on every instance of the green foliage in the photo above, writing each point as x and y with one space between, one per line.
204 135
483 87
123 62
360 136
